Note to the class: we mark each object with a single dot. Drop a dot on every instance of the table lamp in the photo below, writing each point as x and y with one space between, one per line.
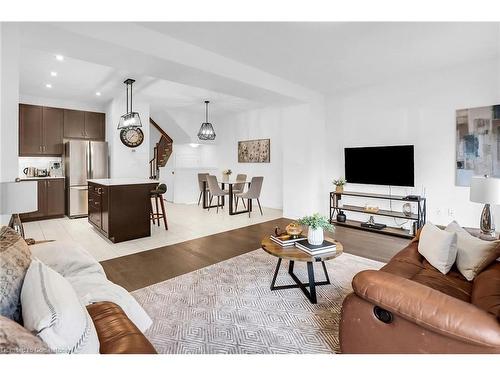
16 198
486 190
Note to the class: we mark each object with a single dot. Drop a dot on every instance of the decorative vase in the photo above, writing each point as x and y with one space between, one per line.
339 189
315 236
341 218
225 177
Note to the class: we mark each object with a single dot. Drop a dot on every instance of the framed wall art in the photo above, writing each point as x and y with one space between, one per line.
254 151
477 143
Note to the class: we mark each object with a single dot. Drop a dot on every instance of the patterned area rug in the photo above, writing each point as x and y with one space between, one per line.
229 308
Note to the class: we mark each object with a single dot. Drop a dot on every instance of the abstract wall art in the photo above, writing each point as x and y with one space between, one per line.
477 143
254 151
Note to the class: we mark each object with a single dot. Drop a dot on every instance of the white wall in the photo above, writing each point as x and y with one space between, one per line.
421 111
304 150
294 180
125 161
9 97
256 124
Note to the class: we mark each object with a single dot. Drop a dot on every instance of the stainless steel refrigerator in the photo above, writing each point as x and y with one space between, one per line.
83 160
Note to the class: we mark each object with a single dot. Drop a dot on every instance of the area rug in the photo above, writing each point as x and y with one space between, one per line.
229 308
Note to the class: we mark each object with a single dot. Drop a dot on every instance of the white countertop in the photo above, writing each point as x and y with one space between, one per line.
40 178
122 181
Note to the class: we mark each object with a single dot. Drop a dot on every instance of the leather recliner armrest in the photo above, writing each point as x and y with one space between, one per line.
428 308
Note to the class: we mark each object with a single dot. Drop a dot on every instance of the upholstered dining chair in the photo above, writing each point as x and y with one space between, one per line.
253 192
201 177
215 190
239 187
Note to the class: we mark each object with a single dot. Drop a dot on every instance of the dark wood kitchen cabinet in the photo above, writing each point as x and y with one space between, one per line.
74 124
52 126
84 125
50 200
95 126
40 131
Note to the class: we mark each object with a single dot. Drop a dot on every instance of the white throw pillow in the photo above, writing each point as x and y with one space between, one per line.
473 254
438 247
52 311
88 279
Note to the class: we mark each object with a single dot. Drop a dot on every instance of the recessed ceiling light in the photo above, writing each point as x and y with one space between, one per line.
59 57
98 93
48 85
53 74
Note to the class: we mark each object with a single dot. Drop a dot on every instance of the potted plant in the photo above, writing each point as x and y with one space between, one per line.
339 184
316 224
226 173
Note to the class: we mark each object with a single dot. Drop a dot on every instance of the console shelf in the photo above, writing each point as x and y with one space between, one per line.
418 218
398 232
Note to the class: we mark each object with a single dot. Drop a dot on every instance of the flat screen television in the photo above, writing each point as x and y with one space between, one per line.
387 165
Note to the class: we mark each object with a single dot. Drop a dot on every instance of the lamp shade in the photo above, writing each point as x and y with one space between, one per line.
19 197
130 120
485 190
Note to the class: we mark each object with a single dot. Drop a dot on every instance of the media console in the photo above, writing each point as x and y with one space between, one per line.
418 217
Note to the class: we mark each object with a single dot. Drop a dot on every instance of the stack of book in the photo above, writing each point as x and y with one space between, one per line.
325 247
286 240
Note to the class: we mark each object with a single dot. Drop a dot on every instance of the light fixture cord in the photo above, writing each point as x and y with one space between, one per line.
206 112
127 97
131 108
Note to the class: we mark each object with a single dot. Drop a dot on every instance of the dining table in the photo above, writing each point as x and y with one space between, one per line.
230 182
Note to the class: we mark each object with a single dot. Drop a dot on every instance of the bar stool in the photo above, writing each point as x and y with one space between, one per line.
157 194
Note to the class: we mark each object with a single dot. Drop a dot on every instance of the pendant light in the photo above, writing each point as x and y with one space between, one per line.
130 119
206 132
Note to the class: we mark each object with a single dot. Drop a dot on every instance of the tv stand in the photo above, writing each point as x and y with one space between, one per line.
418 218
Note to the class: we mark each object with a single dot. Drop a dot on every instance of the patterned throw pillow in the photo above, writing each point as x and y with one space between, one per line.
15 258
15 339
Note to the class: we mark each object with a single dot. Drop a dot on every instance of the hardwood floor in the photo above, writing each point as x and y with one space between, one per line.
152 266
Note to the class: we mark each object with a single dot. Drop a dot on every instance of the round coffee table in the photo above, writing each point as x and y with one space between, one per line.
293 254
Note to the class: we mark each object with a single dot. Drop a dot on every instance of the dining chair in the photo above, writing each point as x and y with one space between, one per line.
215 190
201 177
238 188
253 192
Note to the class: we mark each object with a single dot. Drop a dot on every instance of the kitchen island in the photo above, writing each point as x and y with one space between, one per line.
119 208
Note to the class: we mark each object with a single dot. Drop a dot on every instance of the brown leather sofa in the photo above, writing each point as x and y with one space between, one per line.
116 332
410 307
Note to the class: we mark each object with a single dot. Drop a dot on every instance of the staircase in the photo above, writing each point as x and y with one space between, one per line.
162 152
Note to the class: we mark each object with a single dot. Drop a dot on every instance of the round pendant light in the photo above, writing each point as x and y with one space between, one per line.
207 132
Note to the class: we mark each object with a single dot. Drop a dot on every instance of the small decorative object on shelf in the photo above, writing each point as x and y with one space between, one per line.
407 209
339 184
293 229
226 173
341 218
316 224
371 209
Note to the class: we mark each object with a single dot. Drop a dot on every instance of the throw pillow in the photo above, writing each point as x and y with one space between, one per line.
473 254
52 310
15 339
438 247
15 258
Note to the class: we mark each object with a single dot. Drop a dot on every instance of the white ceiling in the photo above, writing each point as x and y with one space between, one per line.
326 57
78 81
332 56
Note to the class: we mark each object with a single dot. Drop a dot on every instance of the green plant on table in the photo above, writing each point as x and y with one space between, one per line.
340 182
316 221
227 172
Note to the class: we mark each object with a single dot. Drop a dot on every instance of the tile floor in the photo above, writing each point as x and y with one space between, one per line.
185 222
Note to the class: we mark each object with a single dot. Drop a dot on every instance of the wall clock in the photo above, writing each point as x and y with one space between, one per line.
131 136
